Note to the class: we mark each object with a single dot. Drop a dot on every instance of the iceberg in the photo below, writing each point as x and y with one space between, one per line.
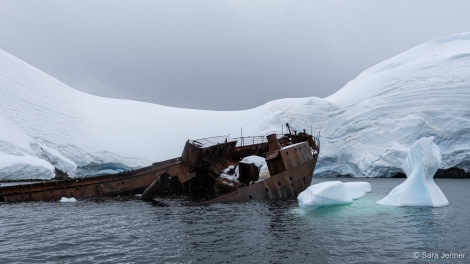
331 193
67 200
357 189
419 189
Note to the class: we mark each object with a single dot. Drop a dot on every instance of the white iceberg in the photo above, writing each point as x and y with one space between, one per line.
331 193
419 189
67 200
357 189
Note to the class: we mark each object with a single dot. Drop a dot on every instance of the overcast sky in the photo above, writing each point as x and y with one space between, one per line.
218 54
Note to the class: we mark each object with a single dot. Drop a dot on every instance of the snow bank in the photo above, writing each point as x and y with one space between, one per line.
425 90
24 168
420 93
59 161
331 193
419 189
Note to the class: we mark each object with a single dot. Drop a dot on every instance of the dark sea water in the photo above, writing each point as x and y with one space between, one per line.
131 231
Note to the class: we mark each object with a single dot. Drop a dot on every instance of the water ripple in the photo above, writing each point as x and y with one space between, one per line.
116 231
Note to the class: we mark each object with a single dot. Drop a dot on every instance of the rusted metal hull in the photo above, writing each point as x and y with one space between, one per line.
291 160
98 186
286 184
291 166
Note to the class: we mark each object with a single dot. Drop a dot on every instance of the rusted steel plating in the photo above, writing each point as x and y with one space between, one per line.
291 160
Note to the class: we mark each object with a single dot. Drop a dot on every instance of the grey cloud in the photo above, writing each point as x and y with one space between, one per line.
221 55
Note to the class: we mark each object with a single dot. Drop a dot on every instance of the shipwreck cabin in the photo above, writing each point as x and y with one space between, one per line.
290 159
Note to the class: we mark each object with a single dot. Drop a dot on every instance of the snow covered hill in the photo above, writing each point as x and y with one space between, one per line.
422 92
42 118
367 127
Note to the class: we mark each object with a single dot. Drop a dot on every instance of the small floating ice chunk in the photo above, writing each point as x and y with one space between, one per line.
331 193
419 189
67 200
324 194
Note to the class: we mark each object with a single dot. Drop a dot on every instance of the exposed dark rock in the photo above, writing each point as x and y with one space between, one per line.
452 173
443 173
399 175
60 175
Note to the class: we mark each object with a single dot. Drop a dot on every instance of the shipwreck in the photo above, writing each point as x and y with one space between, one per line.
214 170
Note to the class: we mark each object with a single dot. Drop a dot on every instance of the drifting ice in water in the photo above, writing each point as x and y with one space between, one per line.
332 193
419 189
67 200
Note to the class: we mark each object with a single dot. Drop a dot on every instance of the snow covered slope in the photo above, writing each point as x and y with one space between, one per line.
422 92
367 127
81 134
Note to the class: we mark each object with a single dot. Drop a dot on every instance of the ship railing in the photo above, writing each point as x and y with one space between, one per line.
253 140
317 141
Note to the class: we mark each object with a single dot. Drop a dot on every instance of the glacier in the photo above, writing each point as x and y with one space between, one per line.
366 127
419 189
331 193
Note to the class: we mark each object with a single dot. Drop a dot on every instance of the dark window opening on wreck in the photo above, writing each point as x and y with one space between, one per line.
196 173
200 188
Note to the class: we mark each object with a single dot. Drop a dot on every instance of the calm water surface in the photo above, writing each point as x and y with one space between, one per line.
115 231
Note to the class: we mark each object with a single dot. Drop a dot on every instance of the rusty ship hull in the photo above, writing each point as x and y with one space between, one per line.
288 183
129 182
291 159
